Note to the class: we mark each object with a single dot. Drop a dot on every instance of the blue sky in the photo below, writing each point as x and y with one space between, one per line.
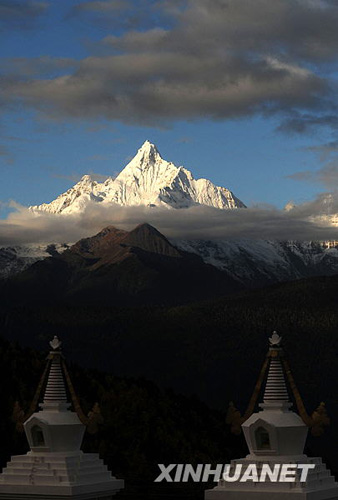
84 84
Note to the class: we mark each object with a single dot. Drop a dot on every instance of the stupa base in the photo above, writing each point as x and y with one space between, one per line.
319 485
222 494
56 476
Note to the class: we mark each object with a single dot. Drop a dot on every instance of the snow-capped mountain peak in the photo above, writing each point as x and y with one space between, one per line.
148 180
147 168
148 153
85 180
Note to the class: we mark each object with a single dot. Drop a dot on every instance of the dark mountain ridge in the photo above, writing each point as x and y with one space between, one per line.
120 267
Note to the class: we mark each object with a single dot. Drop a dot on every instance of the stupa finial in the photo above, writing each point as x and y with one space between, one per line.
55 343
275 339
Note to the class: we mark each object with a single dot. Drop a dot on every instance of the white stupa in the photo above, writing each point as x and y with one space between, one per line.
276 435
56 468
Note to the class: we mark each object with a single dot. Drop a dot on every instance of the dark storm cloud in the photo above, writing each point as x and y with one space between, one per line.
20 14
218 59
303 222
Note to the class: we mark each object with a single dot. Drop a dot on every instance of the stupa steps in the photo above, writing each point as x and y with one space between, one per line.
43 496
317 479
46 468
78 469
310 485
274 491
50 471
56 463
316 484
50 479
55 457
259 463
54 470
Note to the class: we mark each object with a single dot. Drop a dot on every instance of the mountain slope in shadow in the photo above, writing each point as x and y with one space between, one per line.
120 267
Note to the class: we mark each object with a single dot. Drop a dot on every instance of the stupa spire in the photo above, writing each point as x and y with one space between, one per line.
279 385
275 389
55 392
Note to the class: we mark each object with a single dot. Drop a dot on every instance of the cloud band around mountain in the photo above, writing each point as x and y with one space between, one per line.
24 226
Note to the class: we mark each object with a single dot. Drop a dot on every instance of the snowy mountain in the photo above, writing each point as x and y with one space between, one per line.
252 263
15 259
146 180
257 263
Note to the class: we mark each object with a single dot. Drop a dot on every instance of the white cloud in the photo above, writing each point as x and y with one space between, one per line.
23 226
